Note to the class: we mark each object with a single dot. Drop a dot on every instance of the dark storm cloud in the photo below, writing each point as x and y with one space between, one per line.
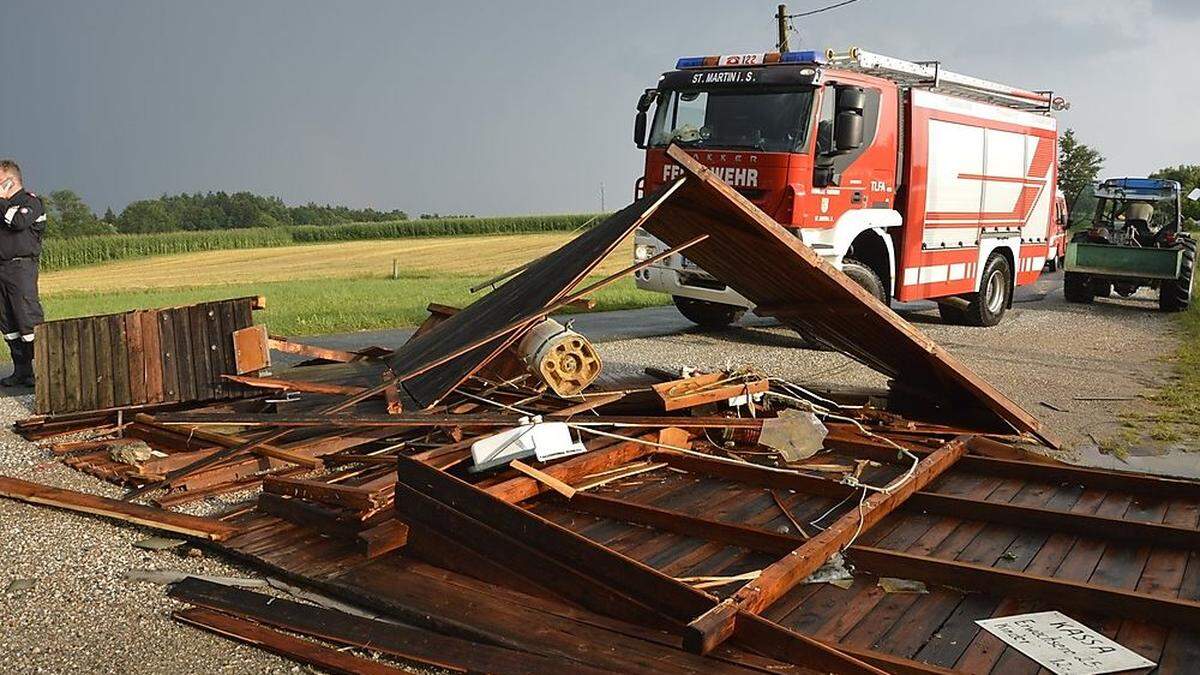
510 107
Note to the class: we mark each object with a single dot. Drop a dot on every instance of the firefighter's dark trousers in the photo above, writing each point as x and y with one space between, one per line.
21 310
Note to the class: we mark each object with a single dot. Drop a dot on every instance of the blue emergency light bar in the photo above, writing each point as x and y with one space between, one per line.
741 60
1141 184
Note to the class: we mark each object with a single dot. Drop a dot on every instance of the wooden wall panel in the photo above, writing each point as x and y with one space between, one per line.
138 358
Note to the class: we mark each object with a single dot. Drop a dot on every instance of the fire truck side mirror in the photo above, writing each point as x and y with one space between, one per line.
848 132
639 121
848 127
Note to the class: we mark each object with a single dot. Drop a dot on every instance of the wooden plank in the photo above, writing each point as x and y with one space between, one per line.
333 494
169 356
185 359
302 386
71 357
41 369
385 537
56 382
515 490
704 389
151 356
105 386
1116 529
287 346
137 357
296 649
89 392
716 625
120 361
202 350
228 349
215 352
1071 595
407 642
250 350
182 523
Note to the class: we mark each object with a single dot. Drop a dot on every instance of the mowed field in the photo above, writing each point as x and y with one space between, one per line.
323 288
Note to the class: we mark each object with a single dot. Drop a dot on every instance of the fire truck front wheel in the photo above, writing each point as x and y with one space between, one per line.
708 314
866 277
987 307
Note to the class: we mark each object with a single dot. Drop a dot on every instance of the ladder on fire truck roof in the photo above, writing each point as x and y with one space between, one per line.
930 75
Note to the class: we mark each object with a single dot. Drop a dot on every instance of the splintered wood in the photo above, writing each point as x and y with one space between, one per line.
639 526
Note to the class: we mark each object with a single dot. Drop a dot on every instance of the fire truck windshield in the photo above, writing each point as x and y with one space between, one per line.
769 121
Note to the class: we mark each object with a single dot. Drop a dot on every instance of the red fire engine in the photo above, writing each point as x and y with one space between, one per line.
916 182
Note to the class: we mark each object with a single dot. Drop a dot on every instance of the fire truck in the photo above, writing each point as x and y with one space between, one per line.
916 182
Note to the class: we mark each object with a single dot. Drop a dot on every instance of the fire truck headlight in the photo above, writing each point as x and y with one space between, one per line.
643 252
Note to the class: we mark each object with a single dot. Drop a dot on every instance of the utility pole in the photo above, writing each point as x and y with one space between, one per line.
782 18
601 196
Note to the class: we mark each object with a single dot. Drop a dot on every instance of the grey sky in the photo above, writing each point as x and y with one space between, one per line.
504 107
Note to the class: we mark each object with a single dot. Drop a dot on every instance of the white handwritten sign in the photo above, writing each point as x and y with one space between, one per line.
1063 645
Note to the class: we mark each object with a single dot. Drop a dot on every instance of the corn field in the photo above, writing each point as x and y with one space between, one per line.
60 254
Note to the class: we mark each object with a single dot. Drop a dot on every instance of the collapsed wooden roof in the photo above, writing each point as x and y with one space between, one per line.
751 253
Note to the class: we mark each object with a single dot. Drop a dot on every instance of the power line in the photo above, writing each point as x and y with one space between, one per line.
823 9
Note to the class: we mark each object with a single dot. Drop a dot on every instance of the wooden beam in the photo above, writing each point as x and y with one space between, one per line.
1070 595
572 470
287 646
277 384
333 494
282 344
431 420
404 641
716 625
1113 529
385 537
228 441
169 521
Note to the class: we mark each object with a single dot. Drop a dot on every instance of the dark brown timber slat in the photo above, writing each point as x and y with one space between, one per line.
34 493
283 644
413 644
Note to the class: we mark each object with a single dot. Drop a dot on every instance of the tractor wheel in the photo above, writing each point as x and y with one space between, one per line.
866 277
987 307
1176 295
1077 287
1101 289
708 314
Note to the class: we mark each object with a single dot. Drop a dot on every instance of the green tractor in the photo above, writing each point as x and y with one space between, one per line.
1135 240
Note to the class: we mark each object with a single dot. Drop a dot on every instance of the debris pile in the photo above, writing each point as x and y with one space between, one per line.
519 509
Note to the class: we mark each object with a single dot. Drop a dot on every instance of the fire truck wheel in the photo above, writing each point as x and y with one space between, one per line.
708 314
951 314
866 277
1176 295
1077 287
987 307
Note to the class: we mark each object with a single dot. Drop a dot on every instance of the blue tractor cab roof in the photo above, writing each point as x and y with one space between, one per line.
1138 188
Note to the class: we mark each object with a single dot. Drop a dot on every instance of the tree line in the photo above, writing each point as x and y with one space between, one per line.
69 216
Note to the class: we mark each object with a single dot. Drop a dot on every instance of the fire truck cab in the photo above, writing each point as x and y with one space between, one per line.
916 182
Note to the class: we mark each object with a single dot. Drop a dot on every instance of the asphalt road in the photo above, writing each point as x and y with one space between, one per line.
653 322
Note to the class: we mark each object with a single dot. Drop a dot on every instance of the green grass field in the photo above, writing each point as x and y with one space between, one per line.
318 306
324 288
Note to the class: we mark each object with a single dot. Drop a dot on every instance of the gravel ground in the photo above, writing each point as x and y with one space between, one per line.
77 613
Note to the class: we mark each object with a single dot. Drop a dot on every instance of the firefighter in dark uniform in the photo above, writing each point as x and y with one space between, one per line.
22 223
